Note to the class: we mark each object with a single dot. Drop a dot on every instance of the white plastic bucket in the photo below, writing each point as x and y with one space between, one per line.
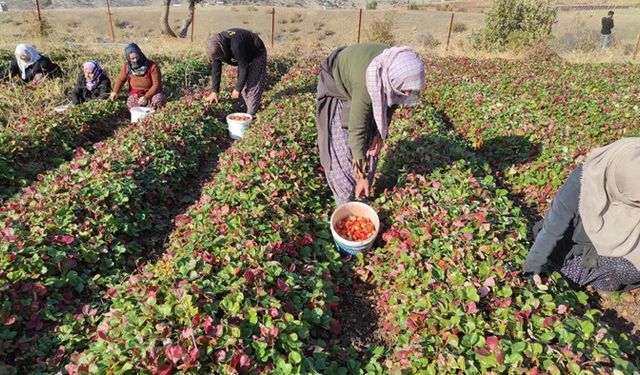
61 108
358 209
139 112
237 128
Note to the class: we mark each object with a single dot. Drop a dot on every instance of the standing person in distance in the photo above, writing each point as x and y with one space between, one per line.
605 33
244 49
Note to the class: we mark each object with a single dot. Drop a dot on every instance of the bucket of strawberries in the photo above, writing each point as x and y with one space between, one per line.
354 227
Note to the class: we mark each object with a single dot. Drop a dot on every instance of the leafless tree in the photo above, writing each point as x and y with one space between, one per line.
165 28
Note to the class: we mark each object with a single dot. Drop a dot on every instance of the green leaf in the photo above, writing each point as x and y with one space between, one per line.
295 357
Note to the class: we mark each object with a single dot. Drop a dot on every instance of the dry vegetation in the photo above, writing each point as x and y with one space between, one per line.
315 30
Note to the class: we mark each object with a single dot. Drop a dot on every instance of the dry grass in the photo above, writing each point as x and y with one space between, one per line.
339 27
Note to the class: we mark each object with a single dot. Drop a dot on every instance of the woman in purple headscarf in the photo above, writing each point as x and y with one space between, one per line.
359 87
93 83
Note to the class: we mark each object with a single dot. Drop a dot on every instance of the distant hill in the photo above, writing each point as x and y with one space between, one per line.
447 5
24 4
48 4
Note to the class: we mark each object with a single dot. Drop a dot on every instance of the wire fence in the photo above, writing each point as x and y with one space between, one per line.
577 29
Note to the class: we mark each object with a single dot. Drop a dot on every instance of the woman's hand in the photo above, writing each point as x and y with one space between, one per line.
376 146
213 97
235 94
537 280
362 187
113 95
143 101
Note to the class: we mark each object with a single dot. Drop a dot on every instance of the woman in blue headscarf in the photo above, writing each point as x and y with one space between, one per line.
93 83
143 77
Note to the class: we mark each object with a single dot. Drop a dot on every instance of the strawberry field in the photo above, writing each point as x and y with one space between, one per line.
163 247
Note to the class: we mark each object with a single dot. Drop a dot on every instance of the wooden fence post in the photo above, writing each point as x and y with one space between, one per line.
39 17
273 26
113 34
359 24
193 22
450 27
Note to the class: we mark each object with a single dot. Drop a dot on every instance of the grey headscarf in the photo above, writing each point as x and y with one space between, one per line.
139 68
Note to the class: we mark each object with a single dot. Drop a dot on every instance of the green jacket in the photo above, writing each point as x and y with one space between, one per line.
349 73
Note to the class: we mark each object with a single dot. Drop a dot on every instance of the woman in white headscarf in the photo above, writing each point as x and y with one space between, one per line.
359 87
591 234
30 66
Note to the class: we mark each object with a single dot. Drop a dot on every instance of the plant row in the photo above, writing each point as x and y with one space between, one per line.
533 121
446 271
95 217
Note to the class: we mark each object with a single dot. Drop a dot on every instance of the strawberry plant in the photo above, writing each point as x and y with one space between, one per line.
449 295
93 218
562 110
29 146
246 283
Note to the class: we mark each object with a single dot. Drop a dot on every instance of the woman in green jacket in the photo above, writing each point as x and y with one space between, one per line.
359 87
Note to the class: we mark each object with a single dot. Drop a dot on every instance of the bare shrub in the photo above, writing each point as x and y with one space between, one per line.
428 41
380 30
459 27
35 27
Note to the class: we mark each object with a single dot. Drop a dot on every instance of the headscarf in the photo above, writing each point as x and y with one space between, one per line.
26 50
215 46
97 73
610 199
395 70
139 68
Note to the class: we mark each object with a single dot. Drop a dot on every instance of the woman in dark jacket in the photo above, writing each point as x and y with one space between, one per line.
30 66
244 49
591 234
358 89
93 83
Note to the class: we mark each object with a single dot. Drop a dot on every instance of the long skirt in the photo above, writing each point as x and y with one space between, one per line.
256 83
608 273
340 176
157 101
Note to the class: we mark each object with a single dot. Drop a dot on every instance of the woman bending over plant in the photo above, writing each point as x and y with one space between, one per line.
591 234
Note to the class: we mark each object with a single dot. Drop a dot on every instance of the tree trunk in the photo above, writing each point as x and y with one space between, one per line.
184 29
165 28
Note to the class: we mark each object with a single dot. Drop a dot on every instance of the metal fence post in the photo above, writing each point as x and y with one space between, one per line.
450 27
359 24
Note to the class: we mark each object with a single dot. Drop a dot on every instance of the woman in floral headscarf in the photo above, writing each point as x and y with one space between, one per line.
591 234
30 66
93 83
143 77
359 87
